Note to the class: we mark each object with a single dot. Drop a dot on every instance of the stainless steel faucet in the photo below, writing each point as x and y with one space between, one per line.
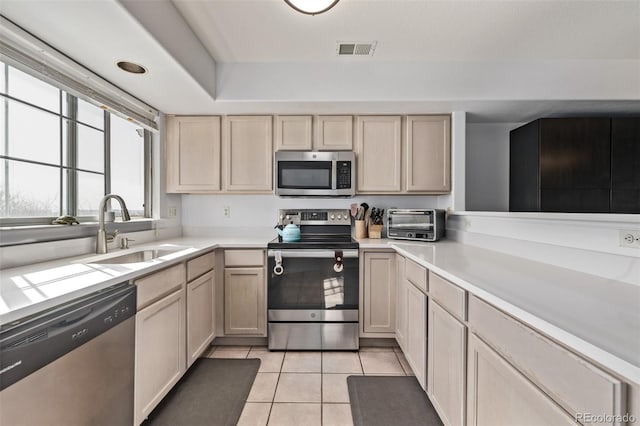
101 240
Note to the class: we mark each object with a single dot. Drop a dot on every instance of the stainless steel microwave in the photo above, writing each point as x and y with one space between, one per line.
308 173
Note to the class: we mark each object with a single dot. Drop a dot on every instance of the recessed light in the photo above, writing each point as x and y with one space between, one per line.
131 67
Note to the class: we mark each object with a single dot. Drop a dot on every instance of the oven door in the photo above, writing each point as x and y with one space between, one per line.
312 285
305 177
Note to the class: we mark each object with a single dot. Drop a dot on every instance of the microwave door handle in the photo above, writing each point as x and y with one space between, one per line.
334 172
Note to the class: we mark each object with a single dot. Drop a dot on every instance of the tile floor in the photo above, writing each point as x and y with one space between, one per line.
308 388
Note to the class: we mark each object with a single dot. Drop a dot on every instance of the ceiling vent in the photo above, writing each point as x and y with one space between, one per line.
356 48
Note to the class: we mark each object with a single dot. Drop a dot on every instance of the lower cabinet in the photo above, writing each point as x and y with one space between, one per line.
446 364
498 394
401 304
379 292
416 341
200 316
244 301
160 351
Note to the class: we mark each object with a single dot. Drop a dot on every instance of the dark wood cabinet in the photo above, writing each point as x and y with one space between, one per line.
625 165
575 165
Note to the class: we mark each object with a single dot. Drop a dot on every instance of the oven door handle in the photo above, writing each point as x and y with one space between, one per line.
306 253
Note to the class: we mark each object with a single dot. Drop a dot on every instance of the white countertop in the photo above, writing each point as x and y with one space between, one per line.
30 289
596 317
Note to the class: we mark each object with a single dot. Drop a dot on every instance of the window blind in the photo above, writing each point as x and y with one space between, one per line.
28 53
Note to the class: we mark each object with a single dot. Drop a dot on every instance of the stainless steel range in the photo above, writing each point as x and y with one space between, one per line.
313 283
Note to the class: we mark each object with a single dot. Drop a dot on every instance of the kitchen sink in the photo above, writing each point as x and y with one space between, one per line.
137 256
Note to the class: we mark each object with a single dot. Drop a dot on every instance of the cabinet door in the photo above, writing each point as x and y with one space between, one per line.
497 394
244 301
417 333
293 132
379 292
334 133
401 304
378 150
160 354
193 154
428 153
625 165
247 153
446 366
575 165
200 316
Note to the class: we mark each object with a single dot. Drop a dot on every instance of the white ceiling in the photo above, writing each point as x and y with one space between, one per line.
418 30
506 60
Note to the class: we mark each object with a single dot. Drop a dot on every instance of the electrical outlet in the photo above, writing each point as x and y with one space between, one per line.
227 212
629 238
173 211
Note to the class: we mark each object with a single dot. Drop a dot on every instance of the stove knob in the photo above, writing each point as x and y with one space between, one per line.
288 217
339 217
333 217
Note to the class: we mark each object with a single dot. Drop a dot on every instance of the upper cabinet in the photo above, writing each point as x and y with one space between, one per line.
575 165
379 153
293 132
625 165
334 133
416 161
428 153
247 150
234 154
193 154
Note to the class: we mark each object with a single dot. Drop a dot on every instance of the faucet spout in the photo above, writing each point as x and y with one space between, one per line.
101 239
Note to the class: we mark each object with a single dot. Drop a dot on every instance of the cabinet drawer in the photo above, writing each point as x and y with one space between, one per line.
450 296
575 384
243 258
159 284
200 265
416 274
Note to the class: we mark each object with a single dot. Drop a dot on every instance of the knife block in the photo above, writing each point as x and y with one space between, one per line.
361 229
375 231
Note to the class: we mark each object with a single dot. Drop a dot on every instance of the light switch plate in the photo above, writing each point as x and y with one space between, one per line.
173 211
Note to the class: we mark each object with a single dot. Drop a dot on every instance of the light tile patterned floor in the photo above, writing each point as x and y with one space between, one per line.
308 388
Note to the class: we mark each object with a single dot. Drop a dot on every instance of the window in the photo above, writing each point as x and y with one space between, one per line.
59 155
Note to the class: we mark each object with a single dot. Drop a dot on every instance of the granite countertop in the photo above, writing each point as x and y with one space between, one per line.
594 316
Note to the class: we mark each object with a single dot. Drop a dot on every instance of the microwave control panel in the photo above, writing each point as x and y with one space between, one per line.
343 174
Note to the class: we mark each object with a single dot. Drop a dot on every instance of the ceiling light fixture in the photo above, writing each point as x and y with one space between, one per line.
131 67
311 7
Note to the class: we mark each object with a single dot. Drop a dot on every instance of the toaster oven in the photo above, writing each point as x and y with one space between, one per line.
416 224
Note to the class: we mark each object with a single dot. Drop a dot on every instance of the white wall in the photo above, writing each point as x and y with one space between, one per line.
420 81
487 166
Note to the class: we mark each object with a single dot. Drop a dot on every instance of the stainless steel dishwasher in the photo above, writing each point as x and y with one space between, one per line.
71 365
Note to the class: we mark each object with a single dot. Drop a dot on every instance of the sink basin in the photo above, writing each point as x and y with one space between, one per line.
137 256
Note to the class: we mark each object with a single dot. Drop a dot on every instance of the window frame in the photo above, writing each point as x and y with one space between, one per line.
68 196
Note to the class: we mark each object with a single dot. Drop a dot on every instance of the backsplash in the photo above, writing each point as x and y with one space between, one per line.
256 211
581 242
